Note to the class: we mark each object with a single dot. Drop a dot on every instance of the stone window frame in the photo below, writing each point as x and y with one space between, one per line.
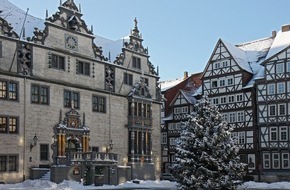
97 105
128 79
136 62
39 94
9 163
69 96
44 153
84 68
7 91
57 64
7 123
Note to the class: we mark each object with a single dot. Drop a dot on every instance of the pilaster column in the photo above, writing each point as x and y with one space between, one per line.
59 136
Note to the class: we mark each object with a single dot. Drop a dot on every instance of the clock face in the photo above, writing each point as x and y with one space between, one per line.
71 42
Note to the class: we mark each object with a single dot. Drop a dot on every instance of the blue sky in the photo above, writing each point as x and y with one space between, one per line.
180 34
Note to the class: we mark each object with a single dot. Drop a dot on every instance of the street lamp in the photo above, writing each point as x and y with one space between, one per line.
34 142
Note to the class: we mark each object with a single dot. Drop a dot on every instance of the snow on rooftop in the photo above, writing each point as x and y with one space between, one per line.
281 41
114 48
239 55
165 85
16 16
256 52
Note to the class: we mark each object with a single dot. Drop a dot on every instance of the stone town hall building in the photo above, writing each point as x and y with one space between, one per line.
62 102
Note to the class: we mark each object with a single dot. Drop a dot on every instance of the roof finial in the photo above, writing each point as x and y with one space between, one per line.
136 22
60 2
46 15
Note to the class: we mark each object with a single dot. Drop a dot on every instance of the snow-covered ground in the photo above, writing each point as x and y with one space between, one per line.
72 185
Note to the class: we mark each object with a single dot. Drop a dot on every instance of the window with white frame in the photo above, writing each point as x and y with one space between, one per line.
178 126
222 82
282 109
223 100
215 101
271 89
164 138
232 117
280 68
172 141
241 137
288 86
276 160
280 87
214 84
225 116
285 160
288 66
239 97
272 110
185 109
230 81
231 99
266 161
217 65
240 116
225 63
283 133
177 110
170 126
273 134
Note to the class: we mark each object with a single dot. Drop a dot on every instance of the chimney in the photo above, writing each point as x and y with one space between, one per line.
274 33
286 28
185 75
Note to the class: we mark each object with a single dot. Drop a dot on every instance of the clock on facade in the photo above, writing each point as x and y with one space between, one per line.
71 42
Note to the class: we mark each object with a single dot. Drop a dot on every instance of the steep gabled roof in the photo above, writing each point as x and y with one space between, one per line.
249 55
281 42
187 95
239 56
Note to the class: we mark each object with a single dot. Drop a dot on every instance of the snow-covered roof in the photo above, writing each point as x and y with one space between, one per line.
239 56
250 55
188 96
168 118
256 52
110 46
16 16
282 40
165 85
198 91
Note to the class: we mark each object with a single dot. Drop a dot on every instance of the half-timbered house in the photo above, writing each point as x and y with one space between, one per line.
228 80
179 101
273 108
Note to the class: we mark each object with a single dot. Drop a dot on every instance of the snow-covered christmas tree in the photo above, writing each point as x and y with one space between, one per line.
207 157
